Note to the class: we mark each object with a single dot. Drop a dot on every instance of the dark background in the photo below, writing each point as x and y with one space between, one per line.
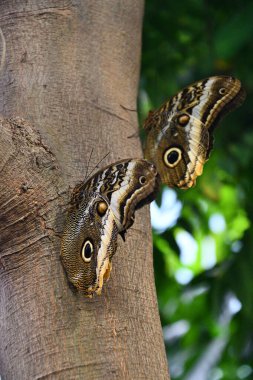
206 306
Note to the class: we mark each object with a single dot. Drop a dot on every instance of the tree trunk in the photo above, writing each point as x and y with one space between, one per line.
69 80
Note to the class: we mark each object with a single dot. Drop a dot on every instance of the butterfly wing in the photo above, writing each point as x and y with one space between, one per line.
180 132
101 208
88 244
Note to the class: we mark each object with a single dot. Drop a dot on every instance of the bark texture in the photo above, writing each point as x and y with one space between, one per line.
71 73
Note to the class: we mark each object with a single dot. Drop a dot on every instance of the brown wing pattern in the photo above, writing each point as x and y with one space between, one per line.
101 208
180 133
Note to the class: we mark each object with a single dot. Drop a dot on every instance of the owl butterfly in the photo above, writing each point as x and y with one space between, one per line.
180 132
101 208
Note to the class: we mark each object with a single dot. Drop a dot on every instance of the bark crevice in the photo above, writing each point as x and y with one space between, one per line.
29 193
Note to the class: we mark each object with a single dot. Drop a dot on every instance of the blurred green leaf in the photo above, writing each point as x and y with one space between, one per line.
184 42
235 33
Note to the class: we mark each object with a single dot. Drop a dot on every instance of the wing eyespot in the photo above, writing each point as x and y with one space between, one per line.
222 91
87 251
102 208
172 157
183 119
142 180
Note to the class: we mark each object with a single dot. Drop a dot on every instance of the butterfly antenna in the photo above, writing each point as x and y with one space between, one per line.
86 174
3 50
97 165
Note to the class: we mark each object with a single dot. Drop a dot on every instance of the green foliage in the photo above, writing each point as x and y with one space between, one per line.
209 289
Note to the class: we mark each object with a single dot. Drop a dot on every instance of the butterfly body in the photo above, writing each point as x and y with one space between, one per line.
180 132
102 208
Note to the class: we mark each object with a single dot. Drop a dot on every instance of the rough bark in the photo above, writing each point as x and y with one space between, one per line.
71 73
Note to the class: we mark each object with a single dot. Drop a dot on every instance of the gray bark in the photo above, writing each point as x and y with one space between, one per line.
71 73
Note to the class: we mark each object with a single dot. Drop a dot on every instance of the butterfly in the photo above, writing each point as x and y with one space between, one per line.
101 208
180 133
